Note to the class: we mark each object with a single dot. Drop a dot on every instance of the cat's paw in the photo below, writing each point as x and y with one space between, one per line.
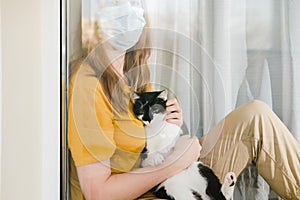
228 185
167 149
230 179
153 159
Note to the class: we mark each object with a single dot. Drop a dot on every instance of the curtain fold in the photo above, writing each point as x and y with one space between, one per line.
294 34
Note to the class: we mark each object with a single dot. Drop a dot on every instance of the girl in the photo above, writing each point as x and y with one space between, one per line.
106 140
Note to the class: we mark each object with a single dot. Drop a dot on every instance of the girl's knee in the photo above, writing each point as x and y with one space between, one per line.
252 110
258 103
258 106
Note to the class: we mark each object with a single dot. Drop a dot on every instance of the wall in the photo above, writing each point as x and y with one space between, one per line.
0 97
30 99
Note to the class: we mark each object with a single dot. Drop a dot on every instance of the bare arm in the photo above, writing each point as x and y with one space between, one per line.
97 182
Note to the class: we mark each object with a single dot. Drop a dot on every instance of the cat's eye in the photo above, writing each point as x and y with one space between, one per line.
138 104
157 109
140 112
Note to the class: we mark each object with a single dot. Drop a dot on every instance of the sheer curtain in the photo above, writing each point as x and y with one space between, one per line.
216 55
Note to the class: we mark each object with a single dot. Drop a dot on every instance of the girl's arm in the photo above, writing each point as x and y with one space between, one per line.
98 183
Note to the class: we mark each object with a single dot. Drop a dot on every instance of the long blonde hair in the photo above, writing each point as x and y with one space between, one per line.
135 69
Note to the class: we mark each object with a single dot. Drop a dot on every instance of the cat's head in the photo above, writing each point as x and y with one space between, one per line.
148 106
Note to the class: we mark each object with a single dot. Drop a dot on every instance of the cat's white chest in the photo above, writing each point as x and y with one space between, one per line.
162 138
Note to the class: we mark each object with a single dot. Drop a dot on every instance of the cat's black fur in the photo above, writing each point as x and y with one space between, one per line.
144 101
147 106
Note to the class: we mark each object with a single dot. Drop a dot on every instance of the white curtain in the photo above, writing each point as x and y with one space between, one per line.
215 55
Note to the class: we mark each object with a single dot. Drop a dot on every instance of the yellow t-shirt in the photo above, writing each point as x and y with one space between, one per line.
96 131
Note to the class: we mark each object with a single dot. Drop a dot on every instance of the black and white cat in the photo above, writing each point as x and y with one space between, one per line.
198 181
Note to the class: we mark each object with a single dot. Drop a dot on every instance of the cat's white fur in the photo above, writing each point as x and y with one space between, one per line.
161 138
181 184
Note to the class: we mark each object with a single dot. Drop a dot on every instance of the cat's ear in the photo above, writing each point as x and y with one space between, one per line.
134 96
163 95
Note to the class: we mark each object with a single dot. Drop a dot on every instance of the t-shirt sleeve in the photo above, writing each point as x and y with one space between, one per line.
90 121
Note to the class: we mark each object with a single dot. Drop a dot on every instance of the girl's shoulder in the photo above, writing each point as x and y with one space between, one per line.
84 83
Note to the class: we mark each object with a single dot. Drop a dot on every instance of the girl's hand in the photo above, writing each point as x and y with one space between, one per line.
186 151
174 113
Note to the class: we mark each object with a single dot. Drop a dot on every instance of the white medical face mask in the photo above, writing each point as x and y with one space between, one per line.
122 25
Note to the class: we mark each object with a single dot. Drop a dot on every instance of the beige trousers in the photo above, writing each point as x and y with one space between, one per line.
253 133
